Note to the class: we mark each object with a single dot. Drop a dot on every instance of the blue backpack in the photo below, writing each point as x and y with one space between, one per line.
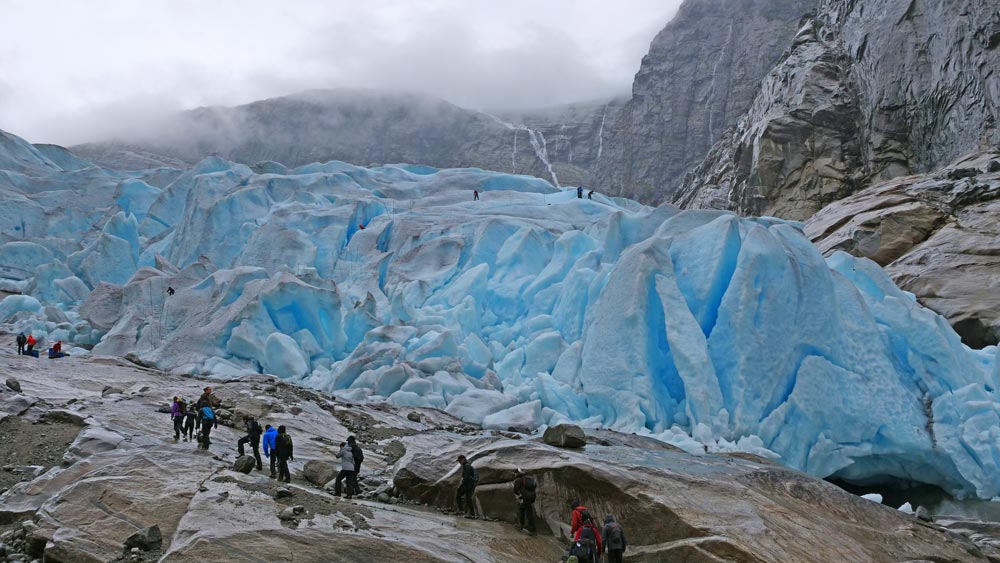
207 413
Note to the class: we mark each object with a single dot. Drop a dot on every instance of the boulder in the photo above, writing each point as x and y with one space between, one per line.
319 472
245 464
13 384
565 436
109 390
146 539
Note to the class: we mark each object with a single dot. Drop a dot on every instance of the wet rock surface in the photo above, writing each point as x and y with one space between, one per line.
868 91
937 236
674 505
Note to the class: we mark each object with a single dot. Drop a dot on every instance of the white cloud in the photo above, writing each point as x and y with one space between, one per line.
74 71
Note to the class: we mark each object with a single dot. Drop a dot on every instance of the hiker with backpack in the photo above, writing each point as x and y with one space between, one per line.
21 341
467 489
253 438
524 490
359 457
579 511
208 421
283 451
347 469
177 411
614 540
270 435
190 423
29 346
586 546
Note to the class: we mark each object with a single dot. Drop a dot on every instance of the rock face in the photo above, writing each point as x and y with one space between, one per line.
675 506
716 509
869 90
937 236
369 126
700 75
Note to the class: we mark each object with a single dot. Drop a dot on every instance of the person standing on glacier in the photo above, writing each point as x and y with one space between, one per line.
253 438
22 340
467 489
524 490
190 423
208 421
579 192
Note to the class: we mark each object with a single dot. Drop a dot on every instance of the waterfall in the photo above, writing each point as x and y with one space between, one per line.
711 86
600 133
537 144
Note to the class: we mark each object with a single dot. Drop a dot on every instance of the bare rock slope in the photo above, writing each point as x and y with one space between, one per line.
869 90
936 234
124 473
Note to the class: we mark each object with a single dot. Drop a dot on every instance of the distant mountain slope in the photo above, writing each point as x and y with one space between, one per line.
870 90
371 127
700 75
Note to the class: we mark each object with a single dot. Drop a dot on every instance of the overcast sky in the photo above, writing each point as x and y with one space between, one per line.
74 71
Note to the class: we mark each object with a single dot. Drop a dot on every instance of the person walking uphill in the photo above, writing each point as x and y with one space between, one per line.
283 451
253 438
177 413
467 489
208 422
614 540
348 469
190 423
524 490
580 512
21 340
270 435
586 544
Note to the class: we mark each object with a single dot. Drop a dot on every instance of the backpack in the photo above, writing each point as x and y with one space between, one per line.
207 413
572 559
585 517
585 548
528 487
359 456
615 537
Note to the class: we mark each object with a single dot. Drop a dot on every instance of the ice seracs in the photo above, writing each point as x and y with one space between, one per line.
527 308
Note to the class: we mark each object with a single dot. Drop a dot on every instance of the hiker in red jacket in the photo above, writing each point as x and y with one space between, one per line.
577 521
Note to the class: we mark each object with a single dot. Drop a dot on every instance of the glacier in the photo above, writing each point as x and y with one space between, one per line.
528 308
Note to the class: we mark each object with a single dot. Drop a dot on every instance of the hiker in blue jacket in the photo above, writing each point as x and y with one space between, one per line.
270 433
208 421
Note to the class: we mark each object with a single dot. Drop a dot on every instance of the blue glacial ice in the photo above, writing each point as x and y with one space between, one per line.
528 308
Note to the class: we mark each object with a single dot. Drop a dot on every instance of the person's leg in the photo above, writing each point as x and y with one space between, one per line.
529 516
337 483
616 556
521 513
458 498
274 458
470 496
239 445
357 479
256 453
352 483
284 469
205 441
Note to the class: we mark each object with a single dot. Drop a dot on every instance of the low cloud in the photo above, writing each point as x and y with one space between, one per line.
74 74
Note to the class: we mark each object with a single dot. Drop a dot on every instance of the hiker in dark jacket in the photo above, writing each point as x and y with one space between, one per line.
270 434
177 412
283 451
208 421
21 340
614 540
524 490
467 489
190 423
359 457
253 438
347 470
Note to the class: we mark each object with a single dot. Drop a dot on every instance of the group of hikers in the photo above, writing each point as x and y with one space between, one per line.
26 347
588 542
579 194
277 442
